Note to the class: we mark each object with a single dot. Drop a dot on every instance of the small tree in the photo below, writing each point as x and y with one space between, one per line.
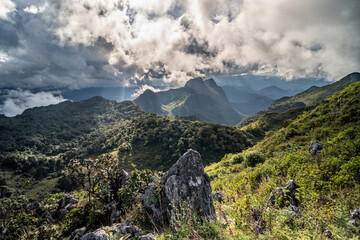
95 174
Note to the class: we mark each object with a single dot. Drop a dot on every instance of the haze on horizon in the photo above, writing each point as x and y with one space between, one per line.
53 44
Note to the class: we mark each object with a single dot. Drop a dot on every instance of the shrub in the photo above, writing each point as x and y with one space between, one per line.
253 158
239 158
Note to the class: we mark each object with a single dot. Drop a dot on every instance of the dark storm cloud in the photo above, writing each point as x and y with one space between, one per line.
74 44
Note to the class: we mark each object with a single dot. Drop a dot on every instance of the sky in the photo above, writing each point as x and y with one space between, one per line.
55 44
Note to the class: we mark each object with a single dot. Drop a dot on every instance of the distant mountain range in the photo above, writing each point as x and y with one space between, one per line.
199 96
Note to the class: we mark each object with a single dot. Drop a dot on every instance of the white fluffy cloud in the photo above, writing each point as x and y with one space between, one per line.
142 89
6 7
18 100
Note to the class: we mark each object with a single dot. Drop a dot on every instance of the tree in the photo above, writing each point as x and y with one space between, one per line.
96 175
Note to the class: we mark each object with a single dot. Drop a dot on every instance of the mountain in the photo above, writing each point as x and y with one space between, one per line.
290 107
199 96
273 92
277 189
110 93
313 95
39 143
246 100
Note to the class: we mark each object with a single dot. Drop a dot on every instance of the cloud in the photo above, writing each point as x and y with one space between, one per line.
142 89
75 44
16 101
6 7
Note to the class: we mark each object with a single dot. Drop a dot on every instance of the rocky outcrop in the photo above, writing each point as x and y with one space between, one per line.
119 181
113 212
116 230
184 184
285 197
354 218
77 234
65 205
147 237
315 148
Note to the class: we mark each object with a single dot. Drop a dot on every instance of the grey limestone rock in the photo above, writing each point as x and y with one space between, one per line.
315 148
187 182
77 234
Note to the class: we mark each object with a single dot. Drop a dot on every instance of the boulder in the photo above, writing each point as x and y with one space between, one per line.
77 234
116 230
151 201
113 212
286 197
184 184
65 205
315 148
147 237
354 218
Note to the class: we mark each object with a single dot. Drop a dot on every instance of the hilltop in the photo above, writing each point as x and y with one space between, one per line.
199 96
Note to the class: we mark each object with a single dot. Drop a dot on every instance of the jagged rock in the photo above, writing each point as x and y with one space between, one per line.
355 217
218 196
77 234
187 182
282 195
116 230
3 232
39 211
65 204
99 234
151 202
315 148
113 212
147 237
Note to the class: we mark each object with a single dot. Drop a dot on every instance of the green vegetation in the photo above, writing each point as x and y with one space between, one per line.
329 182
313 95
247 174
156 142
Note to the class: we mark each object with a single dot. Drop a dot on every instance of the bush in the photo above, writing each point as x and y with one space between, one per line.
253 158
239 158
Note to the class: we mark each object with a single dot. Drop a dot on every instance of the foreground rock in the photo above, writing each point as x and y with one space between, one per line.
185 185
65 204
77 234
315 148
116 231
355 217
285 197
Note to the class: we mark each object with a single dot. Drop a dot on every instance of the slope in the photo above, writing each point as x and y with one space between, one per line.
329 182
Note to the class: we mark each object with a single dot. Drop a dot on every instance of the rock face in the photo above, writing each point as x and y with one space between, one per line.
355 217
185 183
65 204
315 148
281 195
116 230
113 212
77 234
